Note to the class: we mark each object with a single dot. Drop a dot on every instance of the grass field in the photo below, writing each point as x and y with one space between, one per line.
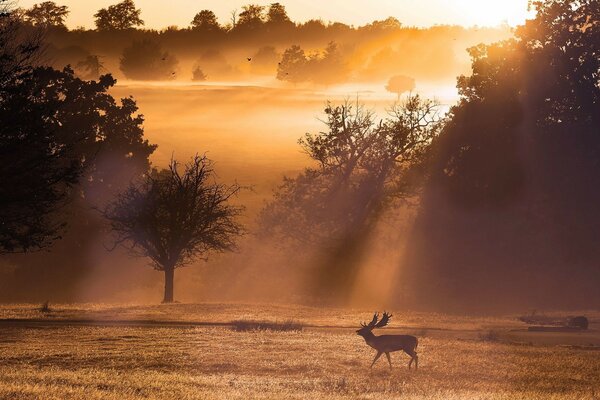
80 352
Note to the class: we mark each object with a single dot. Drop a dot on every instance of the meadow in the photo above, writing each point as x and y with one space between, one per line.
190 351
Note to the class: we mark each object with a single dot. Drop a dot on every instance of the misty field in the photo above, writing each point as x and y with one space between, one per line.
191 352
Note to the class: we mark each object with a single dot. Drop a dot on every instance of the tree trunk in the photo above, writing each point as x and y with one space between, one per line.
169 277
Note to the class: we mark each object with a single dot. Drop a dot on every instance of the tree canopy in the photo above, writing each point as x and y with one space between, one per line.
512 200
62 124
47 14
119 16
205 20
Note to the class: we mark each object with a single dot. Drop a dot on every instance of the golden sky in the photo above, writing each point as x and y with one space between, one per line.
159 13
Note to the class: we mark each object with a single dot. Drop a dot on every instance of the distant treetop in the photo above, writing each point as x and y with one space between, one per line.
47 14
119 16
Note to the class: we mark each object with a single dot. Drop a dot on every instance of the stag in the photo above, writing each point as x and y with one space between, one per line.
388 343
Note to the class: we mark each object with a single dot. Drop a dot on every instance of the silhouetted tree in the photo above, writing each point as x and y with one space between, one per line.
146 60
19 47
47 14
174 217
90 67
54 127
399 84
292 65
198 74
328 67
119 16
277 16
206 20
251 18
362 166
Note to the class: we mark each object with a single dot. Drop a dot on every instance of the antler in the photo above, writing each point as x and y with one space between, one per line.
384 320
372 323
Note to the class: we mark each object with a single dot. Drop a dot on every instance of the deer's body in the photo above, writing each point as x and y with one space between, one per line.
389 343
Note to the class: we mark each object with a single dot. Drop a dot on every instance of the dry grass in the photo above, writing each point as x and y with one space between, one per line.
79 362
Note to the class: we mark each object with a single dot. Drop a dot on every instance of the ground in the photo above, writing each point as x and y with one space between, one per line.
187 351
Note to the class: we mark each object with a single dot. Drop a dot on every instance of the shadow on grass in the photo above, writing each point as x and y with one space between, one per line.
246 325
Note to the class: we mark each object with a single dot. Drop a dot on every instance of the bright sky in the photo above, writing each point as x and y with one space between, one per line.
159 13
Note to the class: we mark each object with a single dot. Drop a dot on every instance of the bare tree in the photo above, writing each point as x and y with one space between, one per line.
174 217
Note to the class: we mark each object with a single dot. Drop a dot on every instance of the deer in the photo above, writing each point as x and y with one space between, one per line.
388 343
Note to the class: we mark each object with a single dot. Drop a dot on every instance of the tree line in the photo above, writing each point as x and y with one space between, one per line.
312 51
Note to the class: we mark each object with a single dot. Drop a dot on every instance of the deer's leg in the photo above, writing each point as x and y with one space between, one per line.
413 357
389 359
376 358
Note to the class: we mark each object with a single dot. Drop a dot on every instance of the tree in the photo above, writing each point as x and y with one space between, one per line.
292 65
145 60
511 203
328 67
362 166
251 18
198 75
90 66
54 128
173 217
277 15
399 84
47 14
19 49
206 20
119 16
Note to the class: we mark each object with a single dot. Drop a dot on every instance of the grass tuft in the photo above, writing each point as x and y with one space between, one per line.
246 325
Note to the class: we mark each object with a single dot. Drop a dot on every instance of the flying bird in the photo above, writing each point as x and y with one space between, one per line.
249 58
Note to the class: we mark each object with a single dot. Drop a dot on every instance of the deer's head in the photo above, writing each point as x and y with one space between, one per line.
366 329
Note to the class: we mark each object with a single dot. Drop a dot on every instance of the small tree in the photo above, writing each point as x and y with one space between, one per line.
292 65
47 14
399 84
173 217
251 18
119 16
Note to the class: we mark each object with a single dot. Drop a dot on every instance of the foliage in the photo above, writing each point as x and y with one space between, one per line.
90 67
292 65
326 67
512 201
19 49
119 16
145 60
47 14
62 125
205 20
251 18
361 165
277 16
